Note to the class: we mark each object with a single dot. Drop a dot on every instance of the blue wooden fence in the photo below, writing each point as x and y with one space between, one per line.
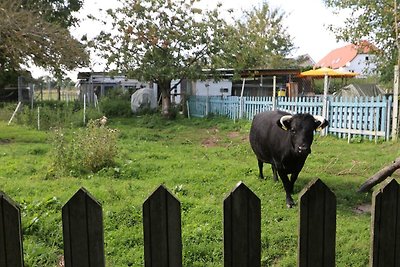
360 116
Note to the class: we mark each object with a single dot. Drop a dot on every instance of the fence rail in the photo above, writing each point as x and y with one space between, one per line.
83 228
363 116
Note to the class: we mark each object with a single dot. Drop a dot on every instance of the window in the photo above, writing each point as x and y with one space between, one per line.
224 90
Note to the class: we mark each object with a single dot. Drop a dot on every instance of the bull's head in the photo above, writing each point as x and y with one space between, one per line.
301 128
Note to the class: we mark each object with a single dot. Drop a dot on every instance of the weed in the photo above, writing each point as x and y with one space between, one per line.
90 149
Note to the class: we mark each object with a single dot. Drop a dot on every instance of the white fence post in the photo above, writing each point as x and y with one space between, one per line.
241 100
395 104
274 93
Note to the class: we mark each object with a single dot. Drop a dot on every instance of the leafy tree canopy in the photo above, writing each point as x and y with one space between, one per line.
257 40
55 11
374 21
25 39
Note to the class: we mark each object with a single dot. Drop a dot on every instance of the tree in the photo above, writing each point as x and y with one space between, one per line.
257 40
374 21
59 12
160 41
25 39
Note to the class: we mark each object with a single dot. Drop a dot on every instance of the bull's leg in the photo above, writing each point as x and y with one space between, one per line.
274 172
293 179
287 186
260 169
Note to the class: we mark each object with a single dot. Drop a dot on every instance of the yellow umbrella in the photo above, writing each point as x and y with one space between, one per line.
322 72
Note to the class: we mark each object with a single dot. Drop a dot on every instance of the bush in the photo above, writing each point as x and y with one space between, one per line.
89 150
117 103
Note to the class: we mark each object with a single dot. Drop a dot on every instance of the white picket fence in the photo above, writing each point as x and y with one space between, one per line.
360 116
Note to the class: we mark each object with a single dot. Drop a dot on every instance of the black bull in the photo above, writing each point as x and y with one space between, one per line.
284 141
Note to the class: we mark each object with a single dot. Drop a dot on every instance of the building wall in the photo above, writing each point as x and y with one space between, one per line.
362 64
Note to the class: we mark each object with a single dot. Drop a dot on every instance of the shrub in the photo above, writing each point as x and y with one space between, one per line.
117 103
89 150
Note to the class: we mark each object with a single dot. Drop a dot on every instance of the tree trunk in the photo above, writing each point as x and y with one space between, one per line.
380 176
165 89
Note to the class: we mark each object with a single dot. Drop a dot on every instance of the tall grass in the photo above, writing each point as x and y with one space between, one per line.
200 161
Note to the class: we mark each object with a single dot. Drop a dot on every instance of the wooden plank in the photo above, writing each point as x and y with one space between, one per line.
162 230
385 226
83 235
11 252
317 226
242 228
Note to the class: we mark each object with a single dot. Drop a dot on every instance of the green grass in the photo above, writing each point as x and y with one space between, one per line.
200 161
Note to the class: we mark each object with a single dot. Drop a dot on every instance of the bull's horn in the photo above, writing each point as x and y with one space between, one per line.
321 120
283 119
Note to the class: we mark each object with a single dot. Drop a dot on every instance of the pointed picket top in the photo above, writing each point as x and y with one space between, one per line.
385 241
161 190
82 218
317 226
242 228
162 229
11 254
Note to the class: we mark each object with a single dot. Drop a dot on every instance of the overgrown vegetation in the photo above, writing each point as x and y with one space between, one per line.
117 103
89 149
50 114
200 161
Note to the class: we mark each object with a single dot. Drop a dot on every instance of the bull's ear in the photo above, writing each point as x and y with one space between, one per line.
320 123
284 122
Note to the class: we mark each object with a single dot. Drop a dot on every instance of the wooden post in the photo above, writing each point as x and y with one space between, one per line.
325 101
10 233
385 241
317 229
242 228
395 123
162 230
82 221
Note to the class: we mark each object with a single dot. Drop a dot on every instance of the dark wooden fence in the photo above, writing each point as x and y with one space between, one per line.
84 240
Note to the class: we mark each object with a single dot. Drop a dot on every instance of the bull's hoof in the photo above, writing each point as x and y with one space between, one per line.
290 203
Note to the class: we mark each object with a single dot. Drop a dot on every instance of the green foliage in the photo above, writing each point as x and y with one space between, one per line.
90 150
258 39
59 12
55 114
374 21
117 103
26 37
200 161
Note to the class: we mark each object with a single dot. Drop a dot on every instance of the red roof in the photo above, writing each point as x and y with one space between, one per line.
340 56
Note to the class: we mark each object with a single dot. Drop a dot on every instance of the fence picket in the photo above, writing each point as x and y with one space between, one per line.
317 225
83 228
385 241
242 228
11 254
82 219
162 230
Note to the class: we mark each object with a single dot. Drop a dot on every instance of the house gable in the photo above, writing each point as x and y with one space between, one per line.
353 58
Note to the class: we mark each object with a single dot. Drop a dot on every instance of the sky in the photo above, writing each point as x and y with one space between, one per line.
305 20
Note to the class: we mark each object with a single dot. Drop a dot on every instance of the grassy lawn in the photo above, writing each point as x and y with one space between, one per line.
200 161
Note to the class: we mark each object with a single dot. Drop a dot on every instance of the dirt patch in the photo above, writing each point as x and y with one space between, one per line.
210 142
238 135
233 134
363 208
